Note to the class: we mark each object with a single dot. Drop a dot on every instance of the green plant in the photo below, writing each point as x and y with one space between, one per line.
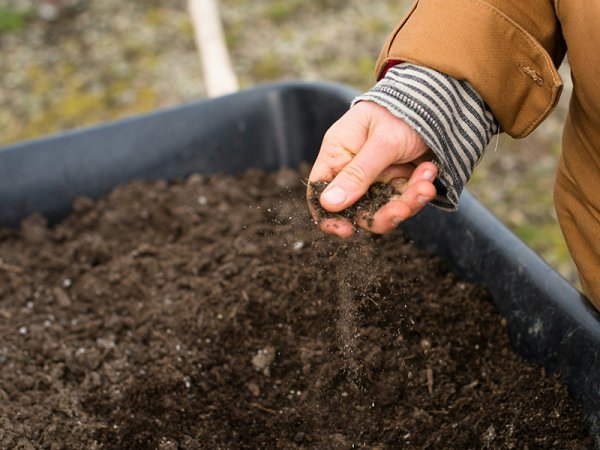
281 11
11 19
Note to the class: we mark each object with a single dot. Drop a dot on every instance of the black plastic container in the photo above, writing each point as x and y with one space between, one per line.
282 125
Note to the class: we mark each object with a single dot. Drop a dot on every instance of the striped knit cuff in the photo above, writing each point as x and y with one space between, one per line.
450 116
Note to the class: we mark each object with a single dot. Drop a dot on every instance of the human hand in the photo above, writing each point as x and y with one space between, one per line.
366 145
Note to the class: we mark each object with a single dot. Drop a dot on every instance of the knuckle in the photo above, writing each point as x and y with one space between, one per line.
355 174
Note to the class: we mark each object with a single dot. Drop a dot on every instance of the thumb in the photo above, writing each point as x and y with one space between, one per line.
354 179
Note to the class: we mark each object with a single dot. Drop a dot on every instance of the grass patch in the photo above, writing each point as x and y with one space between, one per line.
269 67
12 19
283 10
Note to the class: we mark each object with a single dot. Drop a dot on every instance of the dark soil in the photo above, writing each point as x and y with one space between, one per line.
364 208
210 313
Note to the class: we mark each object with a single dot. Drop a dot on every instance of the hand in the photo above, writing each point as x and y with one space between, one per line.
366 145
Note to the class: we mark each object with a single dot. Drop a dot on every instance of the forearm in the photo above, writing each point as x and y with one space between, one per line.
449 115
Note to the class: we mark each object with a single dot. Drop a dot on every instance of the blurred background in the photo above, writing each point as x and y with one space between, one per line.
69 63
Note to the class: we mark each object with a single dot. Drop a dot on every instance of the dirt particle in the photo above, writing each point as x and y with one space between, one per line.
254 389
263 359
425 344
489 435
167 444
62 298
299 437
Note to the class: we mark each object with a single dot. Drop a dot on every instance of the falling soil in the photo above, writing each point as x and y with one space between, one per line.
205 314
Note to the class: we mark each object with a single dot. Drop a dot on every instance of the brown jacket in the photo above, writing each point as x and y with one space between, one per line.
509 51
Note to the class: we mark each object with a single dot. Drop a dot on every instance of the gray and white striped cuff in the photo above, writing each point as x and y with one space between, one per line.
450 116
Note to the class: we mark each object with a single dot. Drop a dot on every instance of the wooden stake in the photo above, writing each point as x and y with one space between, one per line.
219 76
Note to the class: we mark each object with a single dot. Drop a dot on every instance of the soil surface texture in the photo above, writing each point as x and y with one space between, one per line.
210 313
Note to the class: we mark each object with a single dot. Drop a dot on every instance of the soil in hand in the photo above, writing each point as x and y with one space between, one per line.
206 314
364 208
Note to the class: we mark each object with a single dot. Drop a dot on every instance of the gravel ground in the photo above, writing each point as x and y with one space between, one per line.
77 62
91 62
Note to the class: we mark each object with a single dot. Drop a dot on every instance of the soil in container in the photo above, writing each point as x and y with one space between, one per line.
209 313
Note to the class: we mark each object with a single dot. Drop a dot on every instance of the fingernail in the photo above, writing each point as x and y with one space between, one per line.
422 199
335 196
396 221
428 175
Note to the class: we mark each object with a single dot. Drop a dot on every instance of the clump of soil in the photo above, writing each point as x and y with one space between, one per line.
205 314
364 208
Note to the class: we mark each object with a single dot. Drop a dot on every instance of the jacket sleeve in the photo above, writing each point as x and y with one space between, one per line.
508 50
448 114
